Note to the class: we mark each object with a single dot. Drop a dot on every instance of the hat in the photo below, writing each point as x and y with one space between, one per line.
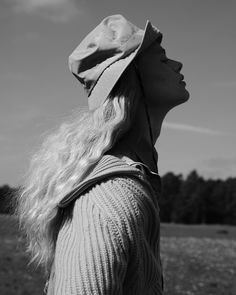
104 54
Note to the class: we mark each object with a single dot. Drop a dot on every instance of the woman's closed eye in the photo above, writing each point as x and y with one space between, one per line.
164 59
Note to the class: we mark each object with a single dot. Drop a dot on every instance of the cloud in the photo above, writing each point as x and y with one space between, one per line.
196 129
221 162
54 10
218 167
226 84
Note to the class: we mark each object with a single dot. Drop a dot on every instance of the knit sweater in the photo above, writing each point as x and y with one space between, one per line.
111 245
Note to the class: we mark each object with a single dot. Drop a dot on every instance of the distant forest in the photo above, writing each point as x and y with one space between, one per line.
189 200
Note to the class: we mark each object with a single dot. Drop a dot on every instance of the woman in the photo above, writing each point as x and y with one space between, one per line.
90 205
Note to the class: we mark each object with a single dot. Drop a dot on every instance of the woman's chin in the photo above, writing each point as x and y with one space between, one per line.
184 95
187 95
182 98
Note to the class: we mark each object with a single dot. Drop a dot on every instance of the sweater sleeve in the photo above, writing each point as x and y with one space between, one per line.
90 256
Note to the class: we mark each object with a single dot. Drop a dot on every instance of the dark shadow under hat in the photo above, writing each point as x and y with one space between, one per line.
104 54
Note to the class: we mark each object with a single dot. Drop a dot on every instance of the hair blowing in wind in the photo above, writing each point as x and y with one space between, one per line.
61 164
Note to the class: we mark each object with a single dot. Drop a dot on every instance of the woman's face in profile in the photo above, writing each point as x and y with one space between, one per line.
163 83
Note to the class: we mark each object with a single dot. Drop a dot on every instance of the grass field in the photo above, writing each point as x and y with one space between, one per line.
197 260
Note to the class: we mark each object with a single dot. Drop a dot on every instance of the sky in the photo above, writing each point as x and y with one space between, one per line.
38 92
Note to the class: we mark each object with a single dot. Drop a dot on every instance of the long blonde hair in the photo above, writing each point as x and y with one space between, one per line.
62 161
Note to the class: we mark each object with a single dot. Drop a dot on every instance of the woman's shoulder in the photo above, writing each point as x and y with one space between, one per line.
119 191
106 168
115 191
121 188
122 199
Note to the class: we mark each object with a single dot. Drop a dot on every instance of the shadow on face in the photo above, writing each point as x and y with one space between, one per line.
161 78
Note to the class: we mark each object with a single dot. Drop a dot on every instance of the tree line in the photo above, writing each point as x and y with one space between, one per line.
195 200
190 200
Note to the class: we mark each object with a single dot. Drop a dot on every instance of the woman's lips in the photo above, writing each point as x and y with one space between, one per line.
181 81
181 77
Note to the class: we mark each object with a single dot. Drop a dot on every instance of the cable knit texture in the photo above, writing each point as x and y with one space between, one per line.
111 244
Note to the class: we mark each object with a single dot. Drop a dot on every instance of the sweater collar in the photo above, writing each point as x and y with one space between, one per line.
110 165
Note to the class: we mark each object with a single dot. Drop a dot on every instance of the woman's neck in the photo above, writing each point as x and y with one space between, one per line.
136 144
142 152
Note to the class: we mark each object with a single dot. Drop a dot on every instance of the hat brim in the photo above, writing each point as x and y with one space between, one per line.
111 75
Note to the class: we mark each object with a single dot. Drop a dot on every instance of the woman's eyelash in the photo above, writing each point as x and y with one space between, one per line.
164 59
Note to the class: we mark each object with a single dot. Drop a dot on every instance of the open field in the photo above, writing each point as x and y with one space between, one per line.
199 231
197 260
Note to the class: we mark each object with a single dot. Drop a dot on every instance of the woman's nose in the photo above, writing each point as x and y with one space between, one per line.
176 65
